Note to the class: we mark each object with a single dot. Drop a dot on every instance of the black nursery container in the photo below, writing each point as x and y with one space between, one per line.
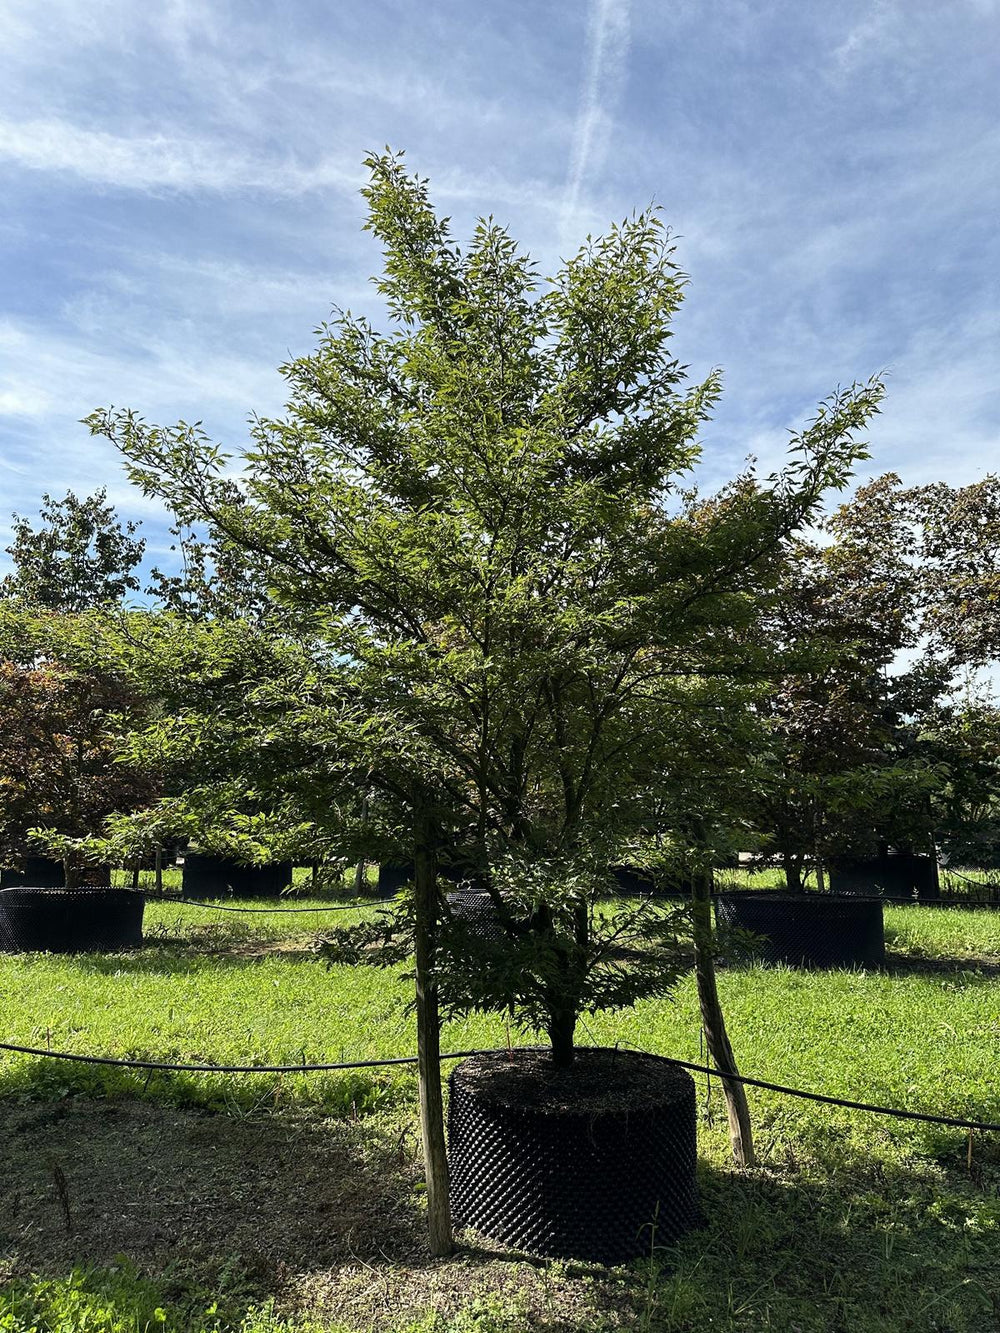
392 878
894 875
594 1162
476 909
39 872
809 929
639 883
209 876
60 920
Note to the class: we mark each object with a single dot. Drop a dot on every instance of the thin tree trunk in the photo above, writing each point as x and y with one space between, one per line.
713 1023
561 1027
360 878
793 873
159 870
429 1047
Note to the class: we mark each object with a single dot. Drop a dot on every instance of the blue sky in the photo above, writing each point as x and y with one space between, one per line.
179 200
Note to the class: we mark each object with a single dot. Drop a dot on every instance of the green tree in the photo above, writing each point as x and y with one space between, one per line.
79 556
516 606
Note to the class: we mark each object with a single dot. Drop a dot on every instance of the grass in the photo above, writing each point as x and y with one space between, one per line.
852 1221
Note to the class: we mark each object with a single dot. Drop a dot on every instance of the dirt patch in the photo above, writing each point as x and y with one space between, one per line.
325 1215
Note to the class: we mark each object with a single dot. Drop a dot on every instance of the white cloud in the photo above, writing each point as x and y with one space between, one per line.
162 162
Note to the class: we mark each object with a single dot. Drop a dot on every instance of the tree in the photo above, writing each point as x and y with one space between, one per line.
79 557
516 607
843 769
65 710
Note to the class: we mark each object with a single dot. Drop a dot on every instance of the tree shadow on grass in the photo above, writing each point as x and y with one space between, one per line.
906 965
326 1216
170 955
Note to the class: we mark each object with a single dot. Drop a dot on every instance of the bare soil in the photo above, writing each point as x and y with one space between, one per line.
325 1215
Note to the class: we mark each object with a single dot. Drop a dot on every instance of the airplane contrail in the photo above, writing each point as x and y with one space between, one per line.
607 49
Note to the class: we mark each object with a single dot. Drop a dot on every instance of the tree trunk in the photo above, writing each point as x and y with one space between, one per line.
360 878
793 873
429 1046
713 1023
159 870
561 1027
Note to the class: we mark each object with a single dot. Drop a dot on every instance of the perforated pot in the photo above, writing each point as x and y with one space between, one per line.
806 930
81 920
595 1162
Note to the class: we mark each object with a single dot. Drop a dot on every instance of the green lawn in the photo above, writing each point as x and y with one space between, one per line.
852 1221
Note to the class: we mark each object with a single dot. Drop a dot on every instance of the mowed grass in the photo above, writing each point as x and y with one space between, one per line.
853 1221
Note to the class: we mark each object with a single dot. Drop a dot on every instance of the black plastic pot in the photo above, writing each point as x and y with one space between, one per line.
478 911
639 883
39 871
808 929
392 878
594 1162
70 920
209 876
895 875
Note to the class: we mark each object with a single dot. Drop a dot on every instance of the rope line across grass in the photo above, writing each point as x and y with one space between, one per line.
303 1068
219 907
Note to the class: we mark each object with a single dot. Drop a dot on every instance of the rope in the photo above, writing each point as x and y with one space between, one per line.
303 1068
218 907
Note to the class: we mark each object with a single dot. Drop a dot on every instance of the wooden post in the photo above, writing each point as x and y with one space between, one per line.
159 870
429 1045
713 1022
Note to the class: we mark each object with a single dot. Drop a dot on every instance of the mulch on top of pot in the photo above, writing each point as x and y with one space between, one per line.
599 1080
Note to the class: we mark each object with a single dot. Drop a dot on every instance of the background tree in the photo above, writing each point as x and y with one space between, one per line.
66 709
79 556
845 773
478 519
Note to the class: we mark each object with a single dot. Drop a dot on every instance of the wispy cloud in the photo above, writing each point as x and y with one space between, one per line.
162 162
607 53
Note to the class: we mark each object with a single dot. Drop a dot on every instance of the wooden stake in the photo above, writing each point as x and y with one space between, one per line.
714 1024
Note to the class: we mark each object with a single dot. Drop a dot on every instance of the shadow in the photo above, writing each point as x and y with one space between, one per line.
327 1216
85 1180
172 957
904 965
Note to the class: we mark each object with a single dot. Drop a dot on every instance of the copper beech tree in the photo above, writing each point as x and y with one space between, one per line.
522 618
63 726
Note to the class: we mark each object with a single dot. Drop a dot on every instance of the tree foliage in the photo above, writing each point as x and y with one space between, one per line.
78 557
65 714
520 613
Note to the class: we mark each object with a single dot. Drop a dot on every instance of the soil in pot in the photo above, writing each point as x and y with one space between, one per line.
81 920
593 1162
805 930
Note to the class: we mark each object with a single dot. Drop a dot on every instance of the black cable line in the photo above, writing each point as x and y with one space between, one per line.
219 907
303 1068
